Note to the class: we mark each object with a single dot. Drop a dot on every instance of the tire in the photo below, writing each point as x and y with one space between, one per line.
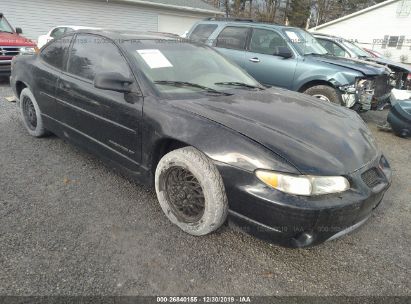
181 177
328 94
31 114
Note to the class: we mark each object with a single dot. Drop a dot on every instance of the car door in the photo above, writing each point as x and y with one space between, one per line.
47 71
232 41
106 121
262 62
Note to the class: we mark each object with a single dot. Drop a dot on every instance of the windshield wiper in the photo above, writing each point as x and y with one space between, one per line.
3 31
239 84
190 84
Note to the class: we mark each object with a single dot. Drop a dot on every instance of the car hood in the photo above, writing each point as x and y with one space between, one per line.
317 138
12 39
364 67
391 64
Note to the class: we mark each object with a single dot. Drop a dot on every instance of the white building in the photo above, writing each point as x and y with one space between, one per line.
37 17
385 27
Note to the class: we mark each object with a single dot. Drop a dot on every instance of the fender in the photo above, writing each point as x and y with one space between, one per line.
336 79
215 140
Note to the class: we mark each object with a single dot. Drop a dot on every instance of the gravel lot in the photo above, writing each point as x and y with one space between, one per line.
69 225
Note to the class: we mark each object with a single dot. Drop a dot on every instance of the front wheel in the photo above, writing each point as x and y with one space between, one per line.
325 93
191 191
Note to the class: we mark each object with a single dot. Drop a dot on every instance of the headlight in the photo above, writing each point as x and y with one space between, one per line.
366 85
28 51
303 184
349 88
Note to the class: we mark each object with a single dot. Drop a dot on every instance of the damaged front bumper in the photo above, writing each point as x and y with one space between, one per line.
360 93
366 93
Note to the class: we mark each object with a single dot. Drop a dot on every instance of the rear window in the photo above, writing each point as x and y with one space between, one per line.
202 32
54 54
233 38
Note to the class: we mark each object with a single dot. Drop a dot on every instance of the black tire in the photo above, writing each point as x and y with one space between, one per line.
191 191
31 114
326 93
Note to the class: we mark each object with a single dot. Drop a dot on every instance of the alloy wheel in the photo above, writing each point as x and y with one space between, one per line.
185 195
29 113
322 97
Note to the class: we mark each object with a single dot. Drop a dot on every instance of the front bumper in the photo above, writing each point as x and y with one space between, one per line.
297 221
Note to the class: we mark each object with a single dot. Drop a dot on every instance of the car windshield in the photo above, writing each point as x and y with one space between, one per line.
175 67
356 49
304 42
5 26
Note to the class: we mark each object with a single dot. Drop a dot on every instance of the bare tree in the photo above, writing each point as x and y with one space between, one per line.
296 12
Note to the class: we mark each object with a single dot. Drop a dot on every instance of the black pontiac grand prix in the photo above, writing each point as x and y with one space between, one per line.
215 143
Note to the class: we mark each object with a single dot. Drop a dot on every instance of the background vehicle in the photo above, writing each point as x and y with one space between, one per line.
296 170
399 119
57 32
401 73
293 59
373 53
12 44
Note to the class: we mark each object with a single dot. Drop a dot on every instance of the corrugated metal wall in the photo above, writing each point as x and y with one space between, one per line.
37 17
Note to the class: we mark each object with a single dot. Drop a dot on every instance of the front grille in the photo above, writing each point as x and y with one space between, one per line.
382 86
371 177
9 50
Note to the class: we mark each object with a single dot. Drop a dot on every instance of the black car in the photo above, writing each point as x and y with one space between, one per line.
282 165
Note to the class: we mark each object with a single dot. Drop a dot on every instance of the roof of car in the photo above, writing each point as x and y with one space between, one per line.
326 35
78 27
248 22
130 35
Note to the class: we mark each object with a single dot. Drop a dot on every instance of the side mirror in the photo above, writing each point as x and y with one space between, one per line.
19 30
284 52
113 81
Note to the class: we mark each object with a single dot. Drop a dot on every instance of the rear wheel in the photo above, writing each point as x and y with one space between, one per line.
325 93
191 191
31 115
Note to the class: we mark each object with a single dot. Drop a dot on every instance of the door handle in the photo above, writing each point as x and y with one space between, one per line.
254 59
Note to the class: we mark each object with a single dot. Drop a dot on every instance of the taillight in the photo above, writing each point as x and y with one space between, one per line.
408 81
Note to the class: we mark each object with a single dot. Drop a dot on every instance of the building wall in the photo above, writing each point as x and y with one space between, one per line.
168 22
370 29
37 17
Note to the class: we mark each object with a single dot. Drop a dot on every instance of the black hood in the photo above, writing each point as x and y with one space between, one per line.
316 137
364 67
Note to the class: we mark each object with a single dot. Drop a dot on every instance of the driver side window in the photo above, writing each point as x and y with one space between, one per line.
266 42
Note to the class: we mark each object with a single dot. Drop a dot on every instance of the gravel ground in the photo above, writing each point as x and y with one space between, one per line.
69 225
